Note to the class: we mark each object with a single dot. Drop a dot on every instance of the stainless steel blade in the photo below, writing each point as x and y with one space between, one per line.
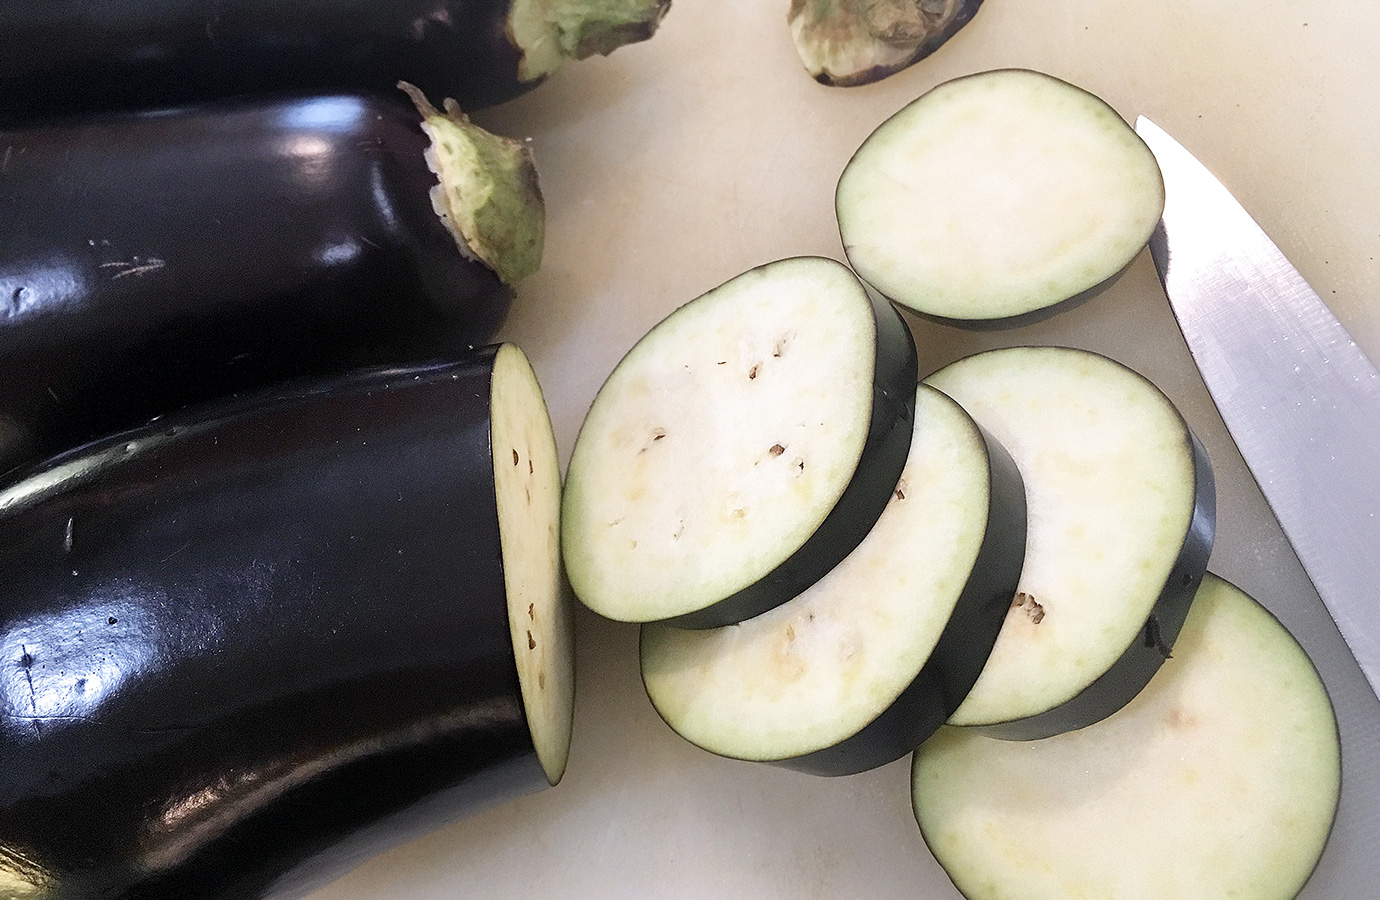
1301 400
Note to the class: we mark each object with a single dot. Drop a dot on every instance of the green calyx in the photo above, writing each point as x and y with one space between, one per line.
487 191
549 32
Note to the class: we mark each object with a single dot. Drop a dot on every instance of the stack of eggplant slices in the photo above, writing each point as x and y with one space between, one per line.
1002 570
279 539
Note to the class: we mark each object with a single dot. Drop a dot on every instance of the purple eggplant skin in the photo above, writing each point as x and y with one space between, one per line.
246 647
151 260
65 56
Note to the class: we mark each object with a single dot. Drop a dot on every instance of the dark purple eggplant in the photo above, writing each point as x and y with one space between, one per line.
247 647
62 56
157 259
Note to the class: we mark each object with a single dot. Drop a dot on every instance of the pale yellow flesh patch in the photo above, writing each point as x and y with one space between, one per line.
1109 481
1220 779
527 486
817 669
996 195
721 441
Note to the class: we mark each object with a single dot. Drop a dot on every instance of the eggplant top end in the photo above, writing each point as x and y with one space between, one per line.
488 193
549 32
847 43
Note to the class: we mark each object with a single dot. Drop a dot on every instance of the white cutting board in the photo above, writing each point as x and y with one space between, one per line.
673 165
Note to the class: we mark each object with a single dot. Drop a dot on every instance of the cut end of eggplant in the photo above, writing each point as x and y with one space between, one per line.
846 43
1120 525
814 673
527 485
997 196
1221 779
487 192
550 32
728 438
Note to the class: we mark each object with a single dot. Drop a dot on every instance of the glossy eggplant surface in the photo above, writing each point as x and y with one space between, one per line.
152 260
62 56
245 648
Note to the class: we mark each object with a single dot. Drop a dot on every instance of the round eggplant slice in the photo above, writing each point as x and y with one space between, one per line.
1121 519
741 449
155 260
997 199
80 56
864 665
847 43
248 647
1220 779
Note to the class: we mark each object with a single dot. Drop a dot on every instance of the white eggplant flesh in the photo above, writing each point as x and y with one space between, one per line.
527 488
741 449
1121 510
864 665
1221 779
998 198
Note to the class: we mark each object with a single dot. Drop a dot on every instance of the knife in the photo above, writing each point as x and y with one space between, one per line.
1299 397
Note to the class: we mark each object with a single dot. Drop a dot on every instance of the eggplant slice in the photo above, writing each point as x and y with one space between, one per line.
864 665
997 199
151 261
846 43
741 449
1221 779
251 645
81 56
1121 509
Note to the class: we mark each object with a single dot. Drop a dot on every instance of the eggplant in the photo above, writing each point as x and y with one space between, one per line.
998 199
151 260
1220 780
249 645
869 661
742 448
846 43
69 56
1122 513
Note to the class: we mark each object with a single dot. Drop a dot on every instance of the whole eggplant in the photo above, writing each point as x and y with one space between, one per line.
149 260
246 648
59 56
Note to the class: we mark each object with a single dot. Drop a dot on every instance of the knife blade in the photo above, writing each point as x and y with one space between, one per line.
1300 399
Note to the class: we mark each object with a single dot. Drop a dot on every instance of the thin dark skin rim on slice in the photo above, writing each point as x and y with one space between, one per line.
1153 642
884 454
962 649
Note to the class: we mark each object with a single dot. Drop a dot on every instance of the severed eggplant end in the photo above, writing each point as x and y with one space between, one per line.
549 32
846 43
487 192
527 485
